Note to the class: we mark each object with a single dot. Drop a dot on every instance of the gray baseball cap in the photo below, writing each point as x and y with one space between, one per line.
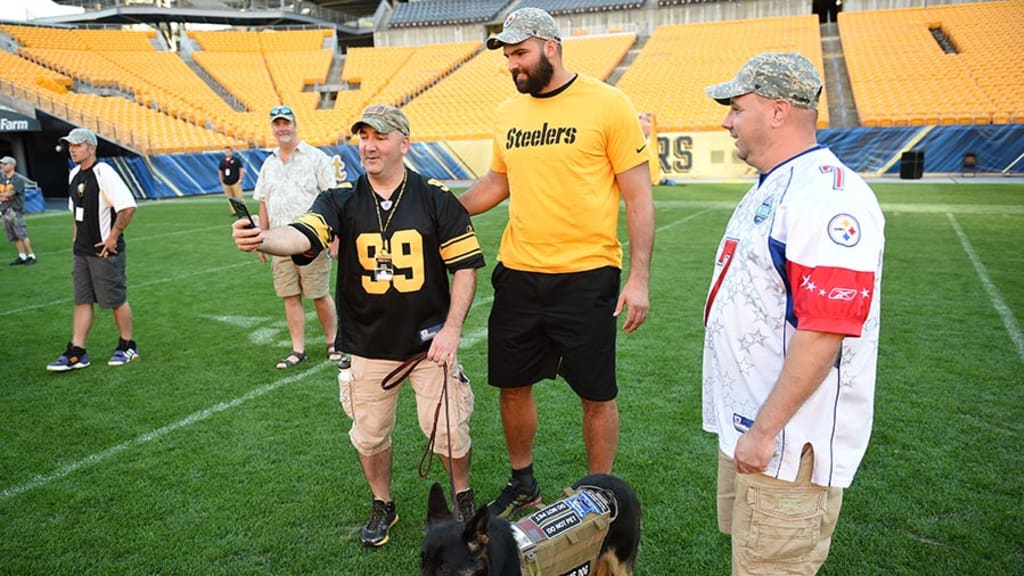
383 119
525 23
785 75
80 136
8 160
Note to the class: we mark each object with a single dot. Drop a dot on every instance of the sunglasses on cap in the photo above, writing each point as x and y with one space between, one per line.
280 110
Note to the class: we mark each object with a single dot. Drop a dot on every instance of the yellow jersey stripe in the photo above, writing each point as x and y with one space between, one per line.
459 248
316 224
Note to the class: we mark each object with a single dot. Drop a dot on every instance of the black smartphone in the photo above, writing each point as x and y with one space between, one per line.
241 210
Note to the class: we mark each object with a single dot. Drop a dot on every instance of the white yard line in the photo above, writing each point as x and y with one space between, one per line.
468 341
686 219
993 293
199 416
162 280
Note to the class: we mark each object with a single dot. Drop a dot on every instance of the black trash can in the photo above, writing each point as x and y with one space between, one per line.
912 165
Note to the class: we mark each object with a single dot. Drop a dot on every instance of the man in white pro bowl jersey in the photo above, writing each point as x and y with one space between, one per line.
791 325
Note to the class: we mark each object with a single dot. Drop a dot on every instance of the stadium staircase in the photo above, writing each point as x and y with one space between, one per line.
630 56
842 111
228 97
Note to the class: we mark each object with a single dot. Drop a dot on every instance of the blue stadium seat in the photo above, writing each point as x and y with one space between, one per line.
561 7
445 12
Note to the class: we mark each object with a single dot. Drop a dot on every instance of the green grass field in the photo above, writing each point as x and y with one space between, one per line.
201 458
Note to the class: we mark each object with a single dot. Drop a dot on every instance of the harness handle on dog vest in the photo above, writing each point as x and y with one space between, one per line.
396 377
566 536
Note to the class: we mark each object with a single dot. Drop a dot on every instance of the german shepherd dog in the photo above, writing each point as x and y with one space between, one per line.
485 546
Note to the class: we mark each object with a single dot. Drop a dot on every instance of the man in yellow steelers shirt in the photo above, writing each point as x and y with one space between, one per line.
566 150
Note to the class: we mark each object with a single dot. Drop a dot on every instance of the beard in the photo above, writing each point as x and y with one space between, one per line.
536 79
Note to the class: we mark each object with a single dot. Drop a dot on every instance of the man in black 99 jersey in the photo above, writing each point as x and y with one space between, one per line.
400 237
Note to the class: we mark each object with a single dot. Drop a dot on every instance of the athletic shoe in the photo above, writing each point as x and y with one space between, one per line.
122 357
465 505
377 531
18 261
514 498
30 260
69 361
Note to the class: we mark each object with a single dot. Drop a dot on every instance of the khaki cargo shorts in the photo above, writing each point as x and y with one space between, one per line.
372 409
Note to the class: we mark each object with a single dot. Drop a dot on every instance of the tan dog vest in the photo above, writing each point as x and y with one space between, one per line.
564 538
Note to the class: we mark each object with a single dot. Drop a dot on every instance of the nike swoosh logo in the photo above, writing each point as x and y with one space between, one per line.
641 149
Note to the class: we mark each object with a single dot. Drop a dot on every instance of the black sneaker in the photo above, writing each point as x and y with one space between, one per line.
465 505
18 261
378 527
514 498
30 260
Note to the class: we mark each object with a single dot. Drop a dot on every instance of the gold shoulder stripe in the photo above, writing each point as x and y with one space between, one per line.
438 183
316 224
460 238
458 248
462 257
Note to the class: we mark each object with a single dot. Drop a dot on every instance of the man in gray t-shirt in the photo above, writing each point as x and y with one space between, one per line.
12 207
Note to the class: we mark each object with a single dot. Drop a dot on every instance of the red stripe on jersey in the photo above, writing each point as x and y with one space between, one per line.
724 260
830 299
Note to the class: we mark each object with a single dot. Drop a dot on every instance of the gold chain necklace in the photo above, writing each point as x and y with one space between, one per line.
381 223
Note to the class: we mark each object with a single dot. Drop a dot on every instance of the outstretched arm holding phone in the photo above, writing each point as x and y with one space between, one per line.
280 241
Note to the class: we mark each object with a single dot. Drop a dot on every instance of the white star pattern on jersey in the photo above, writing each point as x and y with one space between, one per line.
803 248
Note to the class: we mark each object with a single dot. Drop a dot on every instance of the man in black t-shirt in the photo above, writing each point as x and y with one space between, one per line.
102 206
230 172
400 235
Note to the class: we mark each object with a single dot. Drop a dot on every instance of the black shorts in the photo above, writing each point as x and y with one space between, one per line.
547 324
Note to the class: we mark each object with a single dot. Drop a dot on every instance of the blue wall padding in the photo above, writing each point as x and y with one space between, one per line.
866 150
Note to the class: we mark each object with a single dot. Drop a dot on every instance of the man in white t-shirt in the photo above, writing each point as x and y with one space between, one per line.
791 325
289 180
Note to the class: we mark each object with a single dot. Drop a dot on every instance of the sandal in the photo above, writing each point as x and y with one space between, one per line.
293 358
333 354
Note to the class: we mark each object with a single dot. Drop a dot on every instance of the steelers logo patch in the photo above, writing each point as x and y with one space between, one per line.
844 230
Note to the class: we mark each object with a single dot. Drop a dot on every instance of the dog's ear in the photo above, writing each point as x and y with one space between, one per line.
475 533
437 506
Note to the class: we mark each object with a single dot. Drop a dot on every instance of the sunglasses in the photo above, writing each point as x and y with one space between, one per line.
276 110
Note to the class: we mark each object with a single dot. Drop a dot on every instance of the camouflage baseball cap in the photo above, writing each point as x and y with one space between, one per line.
785 75
80 136
525 23
383 119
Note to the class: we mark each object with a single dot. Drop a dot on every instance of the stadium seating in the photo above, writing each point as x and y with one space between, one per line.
461 106
135 81
562 7
901 76
670 73
127 82
32 76
444 12
267 68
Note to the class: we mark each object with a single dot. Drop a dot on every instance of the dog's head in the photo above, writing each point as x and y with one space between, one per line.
451 549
